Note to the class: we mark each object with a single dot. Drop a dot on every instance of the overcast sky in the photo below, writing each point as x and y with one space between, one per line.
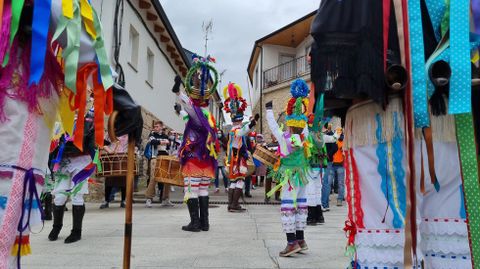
236 26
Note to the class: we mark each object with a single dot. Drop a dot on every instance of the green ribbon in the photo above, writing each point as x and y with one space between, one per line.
471 185
71 52
99 45
318 113
17 7
96 160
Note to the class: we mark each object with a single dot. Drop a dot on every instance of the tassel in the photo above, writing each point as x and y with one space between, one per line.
23 244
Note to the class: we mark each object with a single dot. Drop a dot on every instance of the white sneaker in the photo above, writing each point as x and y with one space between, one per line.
172 188
167 202
148 203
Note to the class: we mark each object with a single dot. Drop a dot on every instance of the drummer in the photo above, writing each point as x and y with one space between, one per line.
159 141
121 146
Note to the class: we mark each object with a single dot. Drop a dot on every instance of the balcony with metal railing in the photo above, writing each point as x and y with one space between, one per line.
286 72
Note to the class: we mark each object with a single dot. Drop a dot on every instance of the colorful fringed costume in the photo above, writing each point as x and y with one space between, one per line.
237 152
200 146
412 171
34 90
292 173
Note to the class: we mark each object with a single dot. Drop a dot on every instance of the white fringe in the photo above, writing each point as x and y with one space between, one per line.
361 123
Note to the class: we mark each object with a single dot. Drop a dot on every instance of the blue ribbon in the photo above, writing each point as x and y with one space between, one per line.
419 75
460 82
3 202
40 27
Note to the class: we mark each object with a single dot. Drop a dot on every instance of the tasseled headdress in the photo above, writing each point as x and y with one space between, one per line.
297 105
197 80
235 104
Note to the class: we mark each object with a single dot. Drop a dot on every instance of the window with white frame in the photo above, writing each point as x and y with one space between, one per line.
134 43
151 66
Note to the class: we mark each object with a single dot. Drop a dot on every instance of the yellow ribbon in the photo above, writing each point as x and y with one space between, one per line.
87 15
67 8
67 115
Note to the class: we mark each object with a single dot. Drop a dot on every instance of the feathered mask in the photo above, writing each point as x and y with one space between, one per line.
297 105
197 80
234 104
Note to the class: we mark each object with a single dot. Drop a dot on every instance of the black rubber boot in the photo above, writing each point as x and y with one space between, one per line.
57 222
203 200
78 211
194 225
312 216
47 200
230 198
319 215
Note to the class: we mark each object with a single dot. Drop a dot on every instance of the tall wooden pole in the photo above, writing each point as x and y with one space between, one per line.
127 243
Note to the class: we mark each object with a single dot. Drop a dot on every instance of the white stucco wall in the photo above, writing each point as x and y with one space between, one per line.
157 98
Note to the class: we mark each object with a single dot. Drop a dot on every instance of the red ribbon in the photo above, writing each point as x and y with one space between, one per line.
103 104
350 230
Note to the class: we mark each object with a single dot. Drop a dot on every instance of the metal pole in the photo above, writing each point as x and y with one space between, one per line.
127 244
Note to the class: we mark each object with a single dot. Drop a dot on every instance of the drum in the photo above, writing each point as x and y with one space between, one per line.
167 170
265 156
114 165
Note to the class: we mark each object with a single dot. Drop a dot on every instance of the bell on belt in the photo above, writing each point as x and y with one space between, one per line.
440 73
396 77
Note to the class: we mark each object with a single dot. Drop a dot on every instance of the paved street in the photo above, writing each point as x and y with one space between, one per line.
249 240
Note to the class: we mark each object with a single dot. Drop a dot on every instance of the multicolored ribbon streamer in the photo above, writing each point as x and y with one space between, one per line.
471 185
71 52
460 85
5 30
40 27
419 76
17 7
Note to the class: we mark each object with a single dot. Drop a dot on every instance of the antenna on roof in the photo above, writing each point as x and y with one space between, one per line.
207 28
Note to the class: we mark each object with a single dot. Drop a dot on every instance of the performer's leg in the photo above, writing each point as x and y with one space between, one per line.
203 201
288 223
62 184
237 193
48 202
191 187
311 201
301 216
318 199
231 189
78 211
248 185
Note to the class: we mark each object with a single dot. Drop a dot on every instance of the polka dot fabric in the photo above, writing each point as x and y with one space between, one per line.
460 83
419 75
468 158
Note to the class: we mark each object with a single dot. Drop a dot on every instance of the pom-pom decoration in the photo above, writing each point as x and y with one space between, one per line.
234 103
297 105
299 88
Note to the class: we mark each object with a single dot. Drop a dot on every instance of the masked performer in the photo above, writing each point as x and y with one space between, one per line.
237 151
292 174
71 180
198 152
